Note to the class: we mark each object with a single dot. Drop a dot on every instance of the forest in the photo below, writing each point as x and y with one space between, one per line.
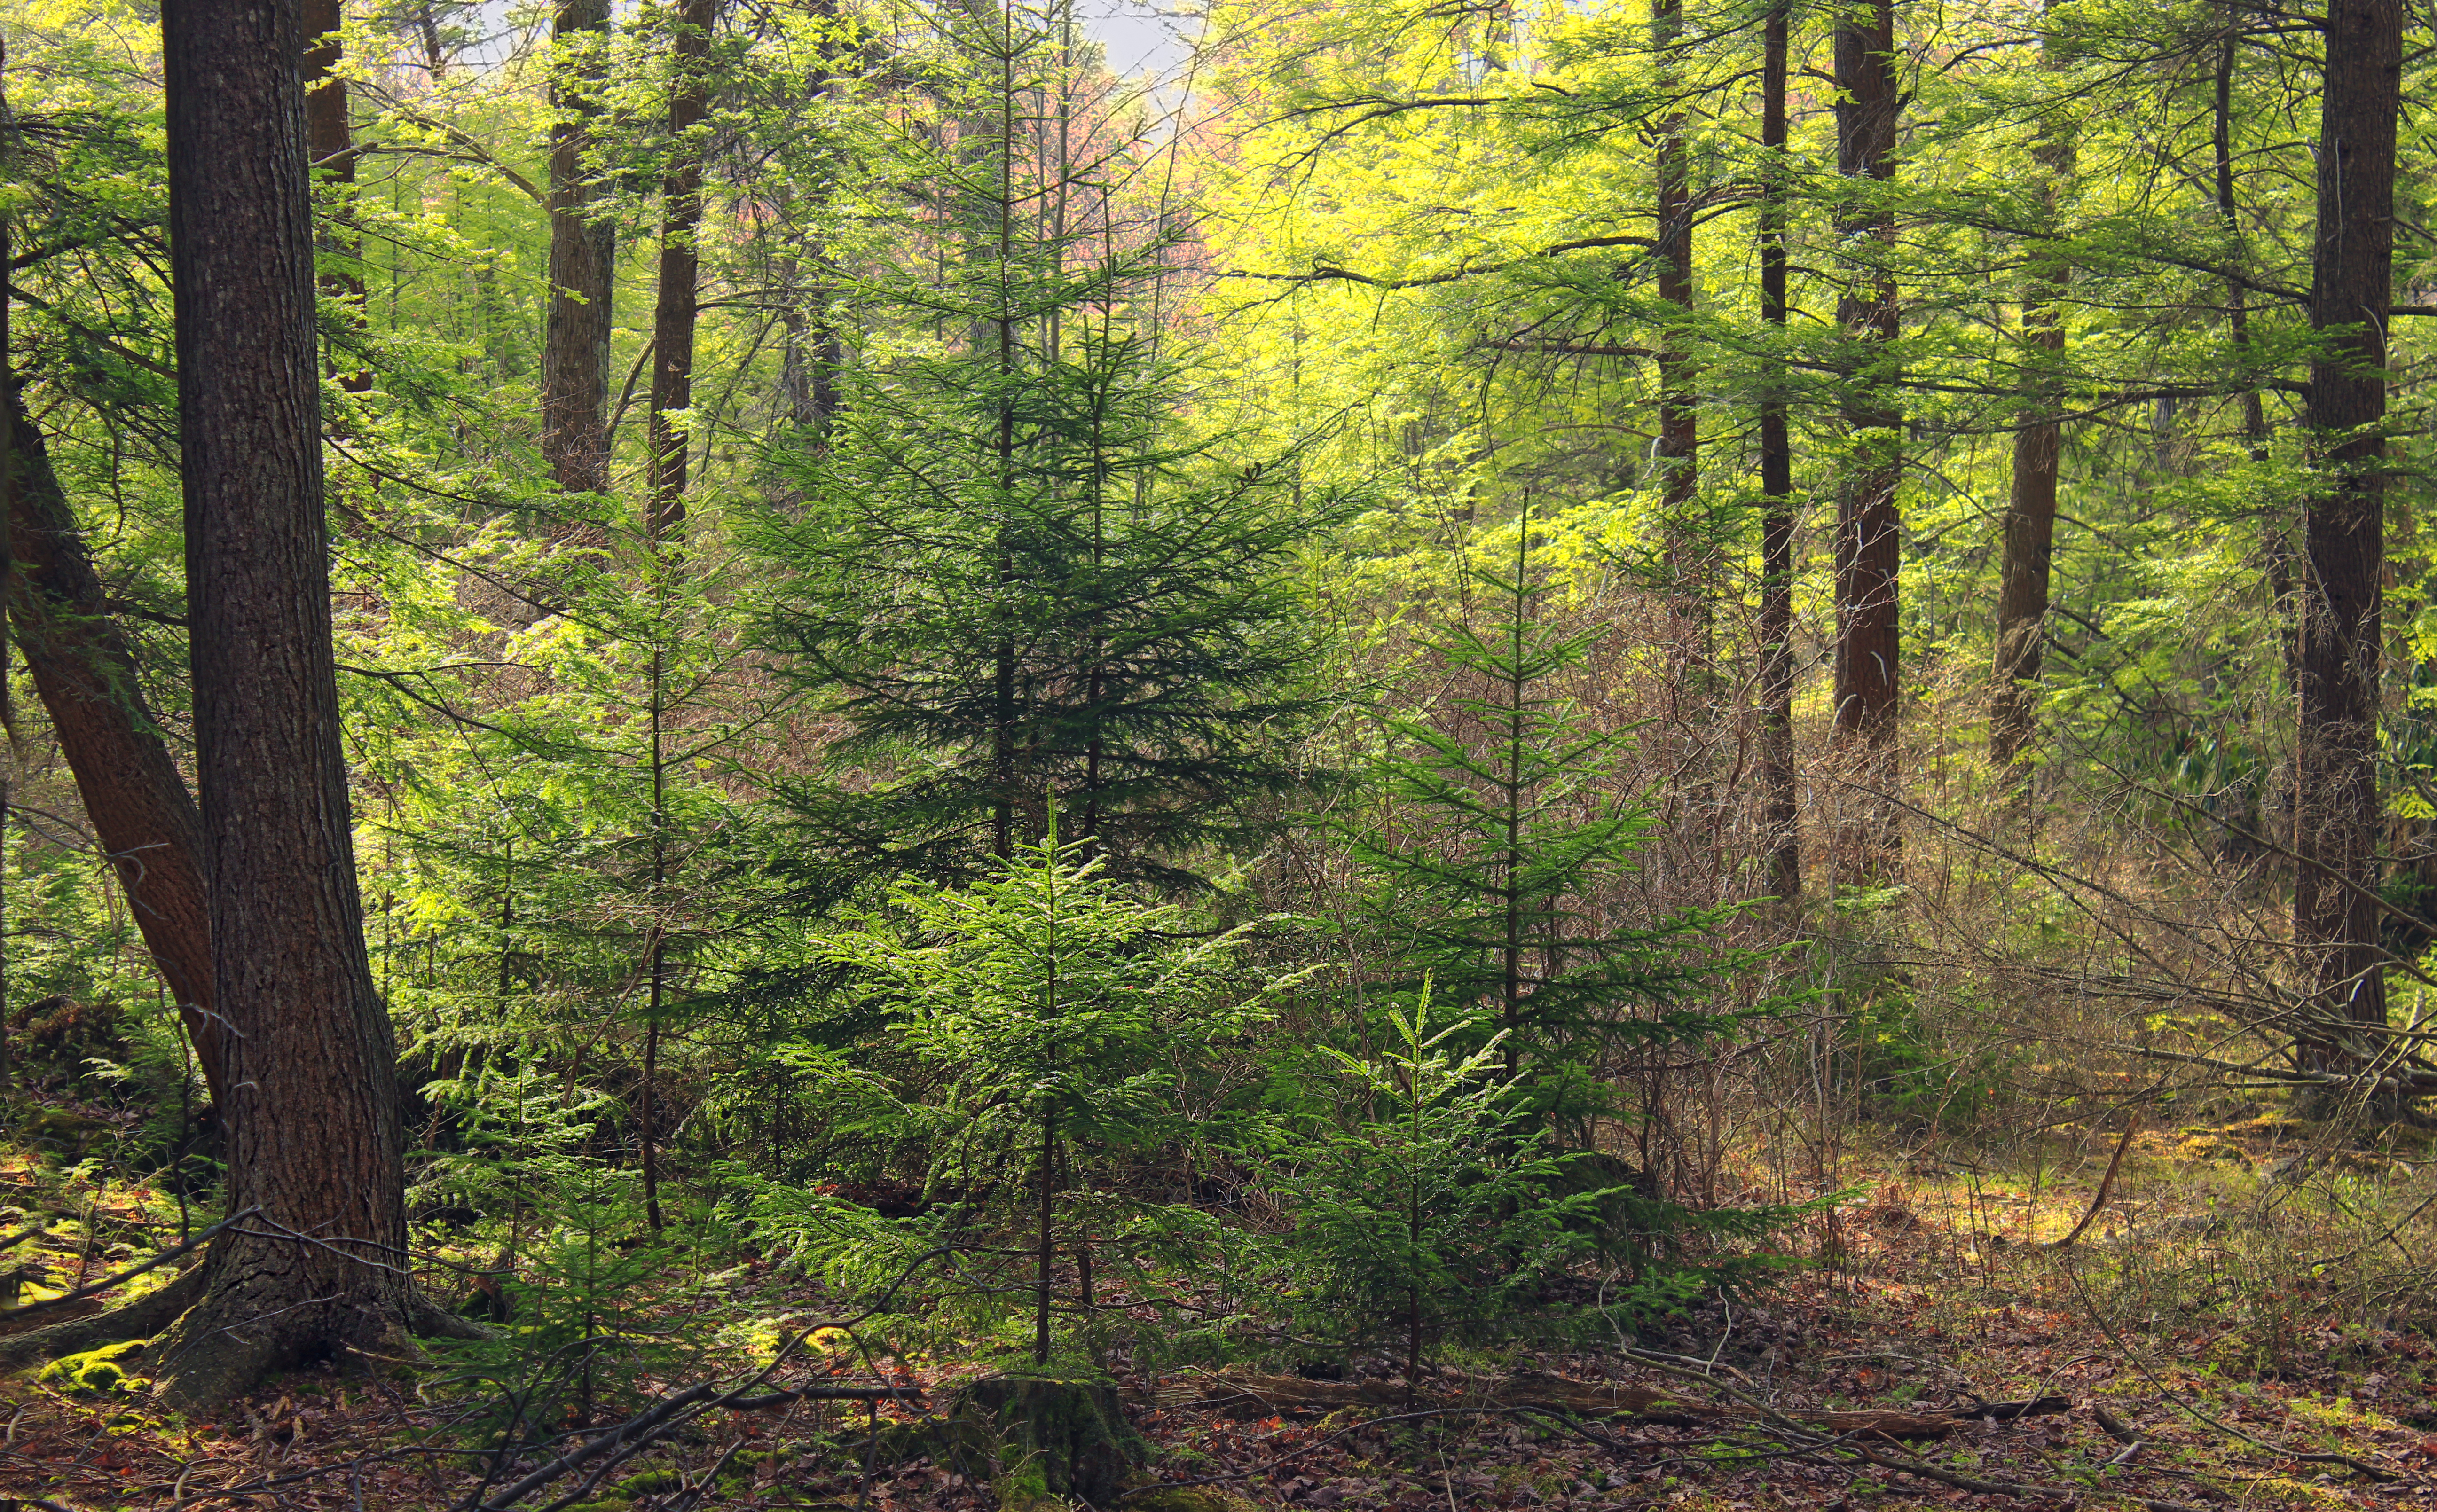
1368 753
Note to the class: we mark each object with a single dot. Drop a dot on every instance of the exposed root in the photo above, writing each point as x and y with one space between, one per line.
142 1318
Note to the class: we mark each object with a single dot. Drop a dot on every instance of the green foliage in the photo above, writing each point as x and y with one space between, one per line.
1053 1028
1498 833
598 1313
1425 1210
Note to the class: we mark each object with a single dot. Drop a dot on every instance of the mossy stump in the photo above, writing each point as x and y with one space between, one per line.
1047 1440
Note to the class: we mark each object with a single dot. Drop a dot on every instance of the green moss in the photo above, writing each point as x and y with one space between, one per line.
649 1481
97 1370
614 1503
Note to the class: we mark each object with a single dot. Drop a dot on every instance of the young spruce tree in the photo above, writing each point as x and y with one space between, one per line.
1016 567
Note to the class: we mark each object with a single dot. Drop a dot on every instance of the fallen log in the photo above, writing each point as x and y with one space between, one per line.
1244 1395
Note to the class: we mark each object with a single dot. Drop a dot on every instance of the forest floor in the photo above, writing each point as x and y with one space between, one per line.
2208 1344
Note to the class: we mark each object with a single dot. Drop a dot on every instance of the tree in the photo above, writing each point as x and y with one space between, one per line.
2030 533
1869 532
674 314
1020 576
1781 812
2340 817
314 1141
330 140
1496 857
85 676
583 256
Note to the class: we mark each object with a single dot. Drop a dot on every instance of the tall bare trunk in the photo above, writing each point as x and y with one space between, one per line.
582 255
2031 506
673 322
1679 440
674 316
1868 553
311 1109
2335 912
1779 812
331 141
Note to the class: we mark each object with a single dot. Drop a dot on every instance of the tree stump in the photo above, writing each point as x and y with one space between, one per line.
1045 1439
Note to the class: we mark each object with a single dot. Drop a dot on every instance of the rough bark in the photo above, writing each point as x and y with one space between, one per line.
1869 555
674 314
311 1110
1780 814
2029 532
583 251
84 674
330 138
2334 906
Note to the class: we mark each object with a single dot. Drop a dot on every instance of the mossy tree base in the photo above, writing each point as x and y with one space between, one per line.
1046 1440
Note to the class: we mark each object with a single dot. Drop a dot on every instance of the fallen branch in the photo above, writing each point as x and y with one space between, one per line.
2106 1183
132 1272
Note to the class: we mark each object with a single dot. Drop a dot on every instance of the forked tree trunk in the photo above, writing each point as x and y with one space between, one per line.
583 251
84 674
311 1110
1780 814
1869 555
2032 505
2335 900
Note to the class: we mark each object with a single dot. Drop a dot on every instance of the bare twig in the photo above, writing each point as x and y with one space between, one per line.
2106 1183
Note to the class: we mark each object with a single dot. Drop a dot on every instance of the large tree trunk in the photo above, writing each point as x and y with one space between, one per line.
582 255
1780 815
674 316
1868 553
84 673
330 138
2030 533
2335 899
311 1110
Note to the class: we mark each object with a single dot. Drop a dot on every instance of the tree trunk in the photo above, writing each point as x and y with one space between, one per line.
674 316
2030 509
583 252
1779 816
1868 554
1677 454
311 1111
84 673
2335 908
330 139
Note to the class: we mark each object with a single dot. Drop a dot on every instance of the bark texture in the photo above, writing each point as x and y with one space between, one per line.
2335 904
311 1110
1780 814
583 252
84 673
2029 538
1868 554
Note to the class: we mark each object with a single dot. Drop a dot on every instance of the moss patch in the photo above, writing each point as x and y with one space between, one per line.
97 1370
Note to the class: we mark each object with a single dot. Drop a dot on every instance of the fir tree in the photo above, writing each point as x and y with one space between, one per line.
1500 874
1016 567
